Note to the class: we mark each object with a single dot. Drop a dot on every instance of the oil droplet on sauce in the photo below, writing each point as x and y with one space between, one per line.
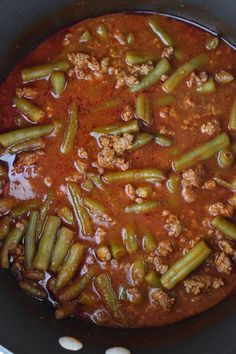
70 343
117 350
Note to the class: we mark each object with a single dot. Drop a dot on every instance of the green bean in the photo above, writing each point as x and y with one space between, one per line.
135 175
141 139
96 180
46 243
61 248
86 185
79 210
30 240
129 239
74 290
24 146
183 71
161 68
212 43
229 185
85 37
130 38
67 215
225 158
110 104
28 109
5 223
42 71
70 265
34 274
142 208
10 242
164 37
232 118
133 58
64 311
103 253
165 100
44 210
143 109
117 250
149 243
144 191
138 271
153 280
130 127
24 207
16 136
104 287
58 82
70 131
185 265
201 153
207 87
88 298
179 54
173 183
224 226
223 77
102 32
33 290
6 204
163 140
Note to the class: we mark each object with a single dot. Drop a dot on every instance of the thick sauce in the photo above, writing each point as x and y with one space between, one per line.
100 88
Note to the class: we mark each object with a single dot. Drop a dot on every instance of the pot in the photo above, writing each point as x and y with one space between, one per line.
28 326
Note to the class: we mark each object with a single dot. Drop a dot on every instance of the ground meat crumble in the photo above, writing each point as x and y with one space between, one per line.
212 127
223 263
27 92
220 208
163 299
202 283
172 224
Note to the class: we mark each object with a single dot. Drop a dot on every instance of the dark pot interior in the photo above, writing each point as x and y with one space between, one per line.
27 326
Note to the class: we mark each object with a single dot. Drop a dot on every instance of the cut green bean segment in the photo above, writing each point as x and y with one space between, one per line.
94 206
96 180
164 37
30 240
138 271
17 136
104 287
25 146
143 109
70 265
163 140
67 215
142 208
42 71
24 207
185 265
225 158
110 104
74 290
10 243
224 226
81 213
71 130
33 274
161 68
229 185
183 71
66 310
117 250
58 82
202 153
135 175
232 118
102 32
134 58
165 100
212 43
130 239
87 185
5 224
88 298
149 244
44 210
46 243
6 204
130 38
36 291
62 245
179 54
117 129
86 37
28 109
153 280
207 87
141 139
173 183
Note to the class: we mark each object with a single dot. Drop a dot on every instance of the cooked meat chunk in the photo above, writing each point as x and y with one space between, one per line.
122 143
131 80
191 178
160 267
223 263
27 92
227 247
210 184
130 191
212 127
28 159
167 52
143 69
220 208
164 248
127 113
163 299
202 283
195 79
189 194
82 153
172 224
120 37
